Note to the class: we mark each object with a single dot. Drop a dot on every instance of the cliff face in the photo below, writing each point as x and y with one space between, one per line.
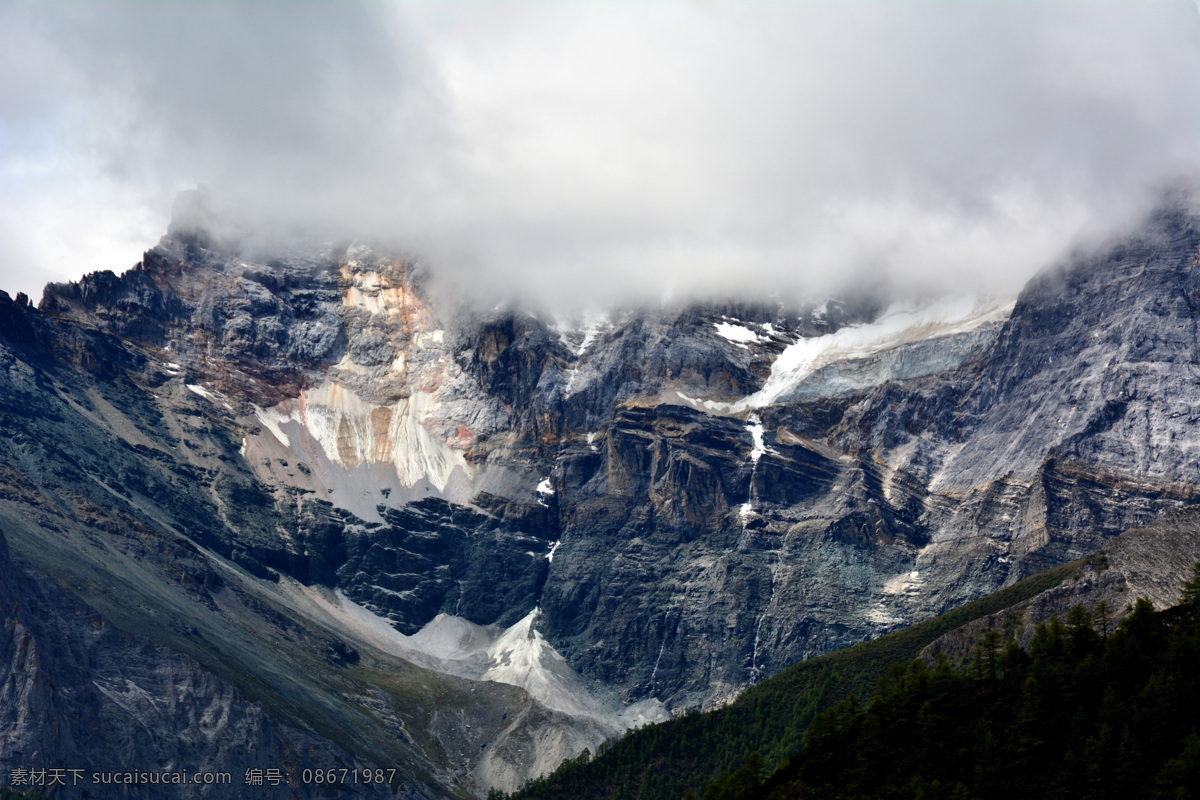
1077 423
128 483
280 462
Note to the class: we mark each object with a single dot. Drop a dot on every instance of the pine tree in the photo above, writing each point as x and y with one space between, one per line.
1190 599
1102 616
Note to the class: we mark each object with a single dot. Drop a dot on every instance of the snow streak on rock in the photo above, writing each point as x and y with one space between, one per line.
896 345
738 334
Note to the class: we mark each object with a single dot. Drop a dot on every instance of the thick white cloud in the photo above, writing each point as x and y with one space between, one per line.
592 151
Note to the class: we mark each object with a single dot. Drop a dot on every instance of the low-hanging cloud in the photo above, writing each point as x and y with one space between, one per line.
581 153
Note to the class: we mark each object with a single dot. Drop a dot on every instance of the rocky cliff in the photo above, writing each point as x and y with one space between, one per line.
259 456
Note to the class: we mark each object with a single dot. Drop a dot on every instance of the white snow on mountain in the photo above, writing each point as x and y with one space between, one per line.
738 334
906 341
517 655
868 346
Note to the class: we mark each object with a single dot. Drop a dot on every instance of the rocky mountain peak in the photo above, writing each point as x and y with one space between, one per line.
655 506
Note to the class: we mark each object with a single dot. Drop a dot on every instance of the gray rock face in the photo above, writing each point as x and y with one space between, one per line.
129 489
1152 562
78 694
687 514
1077 424
1096 363
715 571
434 557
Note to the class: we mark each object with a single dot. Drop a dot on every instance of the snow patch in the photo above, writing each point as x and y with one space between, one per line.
200 390
209 395
738 334
755 427
518 656
271 420
544 490
901 324
450 637
553 549
521 657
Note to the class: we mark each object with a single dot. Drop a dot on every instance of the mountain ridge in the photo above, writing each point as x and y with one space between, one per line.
239 425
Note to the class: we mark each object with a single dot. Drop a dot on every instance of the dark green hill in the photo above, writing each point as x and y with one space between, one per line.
1079 714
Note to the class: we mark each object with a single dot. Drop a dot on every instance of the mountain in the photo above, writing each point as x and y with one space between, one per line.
467 543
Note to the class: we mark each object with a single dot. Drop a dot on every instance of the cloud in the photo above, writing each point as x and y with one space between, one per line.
590 152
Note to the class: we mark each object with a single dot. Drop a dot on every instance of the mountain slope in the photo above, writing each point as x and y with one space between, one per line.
141 509
685 754
1080 714
77 693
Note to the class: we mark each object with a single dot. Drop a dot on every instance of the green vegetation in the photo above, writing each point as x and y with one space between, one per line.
765 726
1081 714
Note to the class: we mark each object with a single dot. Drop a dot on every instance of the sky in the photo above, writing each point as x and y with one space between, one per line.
582 153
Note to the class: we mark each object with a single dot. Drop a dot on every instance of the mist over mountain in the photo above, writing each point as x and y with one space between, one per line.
601 151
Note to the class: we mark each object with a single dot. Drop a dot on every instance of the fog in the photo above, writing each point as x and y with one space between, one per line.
582 153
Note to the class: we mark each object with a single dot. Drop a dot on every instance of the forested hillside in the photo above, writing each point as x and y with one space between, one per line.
1085 712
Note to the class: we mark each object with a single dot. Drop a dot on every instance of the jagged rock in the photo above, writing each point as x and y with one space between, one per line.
434 557
692 495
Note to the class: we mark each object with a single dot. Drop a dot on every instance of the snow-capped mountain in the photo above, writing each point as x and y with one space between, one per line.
475 542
